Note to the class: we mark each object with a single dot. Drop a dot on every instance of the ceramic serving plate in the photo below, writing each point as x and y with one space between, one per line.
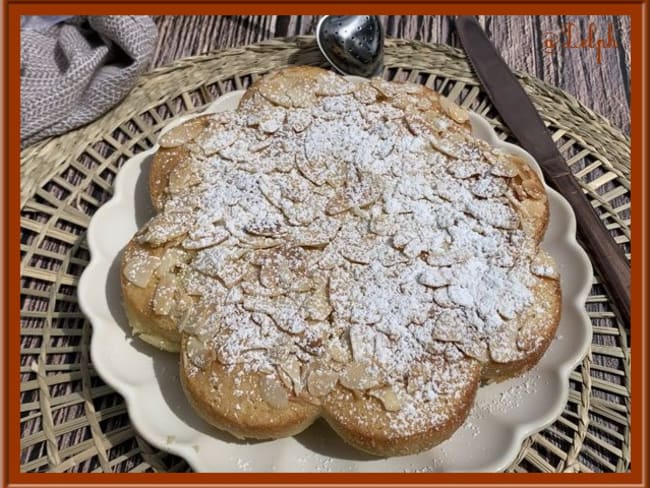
503 416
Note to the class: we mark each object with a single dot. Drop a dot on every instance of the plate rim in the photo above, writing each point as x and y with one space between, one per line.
519 432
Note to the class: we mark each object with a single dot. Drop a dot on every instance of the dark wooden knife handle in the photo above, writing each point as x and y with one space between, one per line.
607 256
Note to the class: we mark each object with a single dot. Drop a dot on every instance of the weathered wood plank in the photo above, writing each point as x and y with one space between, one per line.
604 86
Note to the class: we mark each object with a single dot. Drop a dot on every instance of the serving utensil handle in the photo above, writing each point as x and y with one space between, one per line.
607 256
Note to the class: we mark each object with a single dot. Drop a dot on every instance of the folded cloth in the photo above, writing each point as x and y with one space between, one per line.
75 70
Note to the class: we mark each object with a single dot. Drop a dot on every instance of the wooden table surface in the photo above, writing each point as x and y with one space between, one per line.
546 47
602 86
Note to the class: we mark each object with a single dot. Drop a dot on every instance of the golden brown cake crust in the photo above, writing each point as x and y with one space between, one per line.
345 251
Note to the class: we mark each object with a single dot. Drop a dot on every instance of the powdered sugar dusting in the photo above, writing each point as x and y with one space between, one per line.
376 248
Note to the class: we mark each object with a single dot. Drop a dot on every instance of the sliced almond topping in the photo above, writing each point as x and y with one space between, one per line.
503 345
222 262
182 134
466 169
494 213
441 297
444 146
365 93
283 310
312 169
300 213
317 307
388 398
475 348
331 85
455 112
319 233
182 177
357 376
299 119
278 97
357 254
417 124
214 141
505 167
384 87
339 353
172 258
284 378
163 297
360 193
448 258
435 277
449 326
198 353
321 382
272 120
140 268
165 227
211 237
390 257
266 225
489 187
533 189
361 340
543 265
292 368
383 225
273 392
260 146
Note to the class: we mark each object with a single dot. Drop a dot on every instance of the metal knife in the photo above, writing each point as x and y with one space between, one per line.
525 123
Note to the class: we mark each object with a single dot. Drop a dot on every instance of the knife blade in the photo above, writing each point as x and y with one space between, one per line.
524 121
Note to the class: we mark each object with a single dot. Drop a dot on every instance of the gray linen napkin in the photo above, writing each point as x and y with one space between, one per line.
73 71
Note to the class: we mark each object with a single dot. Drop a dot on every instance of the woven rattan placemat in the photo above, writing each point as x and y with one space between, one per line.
72 421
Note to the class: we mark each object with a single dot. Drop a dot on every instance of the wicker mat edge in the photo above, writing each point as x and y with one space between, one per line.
43 161
556 106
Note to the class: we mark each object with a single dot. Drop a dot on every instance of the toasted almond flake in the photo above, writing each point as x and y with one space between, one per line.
260 146
198 354
163 297
273 392
504 166
282 309
182 134
172 258
543 265
417 124
533 189
476 349
339 353
503 345
384 87
455 112
182 177
357 254
444 146
212 142
435 277
365 93
317 307
357 376
321 382
140 268
292 368
214 236
449 326
284 378
165 227
389 400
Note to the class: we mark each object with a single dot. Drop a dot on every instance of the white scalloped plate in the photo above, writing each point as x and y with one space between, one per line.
503 416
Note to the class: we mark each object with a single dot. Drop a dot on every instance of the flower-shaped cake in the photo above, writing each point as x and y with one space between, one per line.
344 250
